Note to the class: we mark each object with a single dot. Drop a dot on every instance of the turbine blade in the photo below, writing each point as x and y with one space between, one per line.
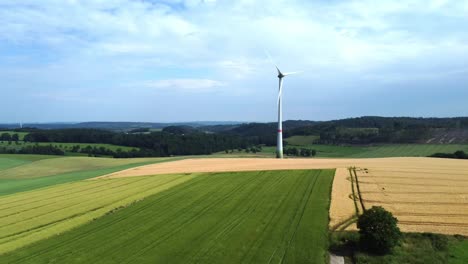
269 57
292 73
279 72
272 62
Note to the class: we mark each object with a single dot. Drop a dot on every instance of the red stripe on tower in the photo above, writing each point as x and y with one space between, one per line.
280 131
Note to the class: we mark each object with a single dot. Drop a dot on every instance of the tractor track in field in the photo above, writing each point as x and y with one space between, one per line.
83 235
428 223
187 222
415 192
61 191
58 220
412 178
114 203
302 211
84 192
72 205
409 184
260 240
430 214
412 202
231 225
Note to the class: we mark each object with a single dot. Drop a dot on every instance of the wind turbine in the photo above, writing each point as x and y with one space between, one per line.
281 75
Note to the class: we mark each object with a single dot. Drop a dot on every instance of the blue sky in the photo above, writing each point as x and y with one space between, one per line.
177 60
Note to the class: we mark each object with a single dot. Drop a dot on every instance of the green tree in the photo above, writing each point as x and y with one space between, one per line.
378 229
5 137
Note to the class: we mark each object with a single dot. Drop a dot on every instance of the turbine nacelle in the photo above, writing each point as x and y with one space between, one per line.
282 75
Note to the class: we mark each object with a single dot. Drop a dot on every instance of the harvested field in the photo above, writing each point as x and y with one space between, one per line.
425 201
426 194
343 206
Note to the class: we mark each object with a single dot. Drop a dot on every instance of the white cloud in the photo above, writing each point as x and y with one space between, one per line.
184 85
351 34
211 46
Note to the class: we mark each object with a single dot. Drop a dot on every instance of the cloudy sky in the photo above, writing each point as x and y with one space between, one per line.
192 60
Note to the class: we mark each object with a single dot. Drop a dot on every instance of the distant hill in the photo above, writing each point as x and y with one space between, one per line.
116 126
360 130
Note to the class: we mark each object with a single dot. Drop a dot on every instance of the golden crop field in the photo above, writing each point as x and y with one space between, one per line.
424 197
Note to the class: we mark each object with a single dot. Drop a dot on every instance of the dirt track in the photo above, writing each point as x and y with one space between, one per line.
426 194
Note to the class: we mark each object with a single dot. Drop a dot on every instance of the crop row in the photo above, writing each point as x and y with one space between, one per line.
38 219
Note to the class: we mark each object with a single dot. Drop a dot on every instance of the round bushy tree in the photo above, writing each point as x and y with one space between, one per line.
378 230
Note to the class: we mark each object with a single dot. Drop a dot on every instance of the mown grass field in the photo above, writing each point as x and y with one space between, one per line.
397 150
19 173
243 217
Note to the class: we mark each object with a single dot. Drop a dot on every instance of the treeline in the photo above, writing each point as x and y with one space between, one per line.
9 137
34 149
156 144
343 135
362 130
300 152
456 155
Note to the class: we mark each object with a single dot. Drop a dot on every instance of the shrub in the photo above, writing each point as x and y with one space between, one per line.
439 242
378 230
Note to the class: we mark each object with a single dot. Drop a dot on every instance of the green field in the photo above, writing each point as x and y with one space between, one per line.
49 167
301 140
396 150
9 161
458 252
19 173
248 217
29 217
417 248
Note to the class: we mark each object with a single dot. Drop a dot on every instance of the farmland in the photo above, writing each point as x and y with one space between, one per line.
425 197
19 173
52 211
378 151
426 194
35 215
274 216
301 140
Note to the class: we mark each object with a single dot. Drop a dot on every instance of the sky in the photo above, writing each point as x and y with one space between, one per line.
195 60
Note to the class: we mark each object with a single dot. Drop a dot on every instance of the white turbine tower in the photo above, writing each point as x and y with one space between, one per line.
279 143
